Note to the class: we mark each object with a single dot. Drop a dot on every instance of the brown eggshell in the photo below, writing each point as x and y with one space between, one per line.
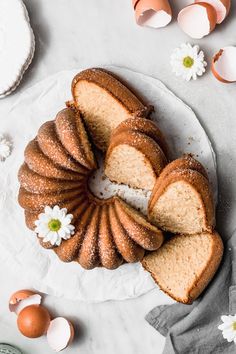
222 8
152 13
23 298
33 321
223 65
60 334
211 13
204 14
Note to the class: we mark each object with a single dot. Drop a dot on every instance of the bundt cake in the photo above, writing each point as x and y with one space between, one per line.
182 200
136 154
104 102
58 164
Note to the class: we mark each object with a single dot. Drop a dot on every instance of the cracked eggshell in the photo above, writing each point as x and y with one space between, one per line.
152 13
17 44
223 64
60 334
222 8
23 298
197 20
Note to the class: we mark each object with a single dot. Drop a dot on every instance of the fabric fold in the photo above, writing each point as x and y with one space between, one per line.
193 329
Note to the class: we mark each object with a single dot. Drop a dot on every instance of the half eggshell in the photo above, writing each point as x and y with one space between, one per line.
197 20
152 13
223 64
222 8
60 334
23 298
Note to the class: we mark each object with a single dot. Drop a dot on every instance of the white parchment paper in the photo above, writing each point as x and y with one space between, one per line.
19 248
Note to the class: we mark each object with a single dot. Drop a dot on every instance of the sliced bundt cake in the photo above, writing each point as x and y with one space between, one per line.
135 155
185 264
58 164
182 201
104 102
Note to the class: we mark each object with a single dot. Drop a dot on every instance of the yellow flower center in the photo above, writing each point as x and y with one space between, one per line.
188 62
234 326
54 225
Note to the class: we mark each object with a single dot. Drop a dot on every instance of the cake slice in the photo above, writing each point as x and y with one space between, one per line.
182 202
144 126
185 264
185 162
134 159
104 102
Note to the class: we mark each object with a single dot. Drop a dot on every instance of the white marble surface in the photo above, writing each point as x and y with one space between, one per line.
80 33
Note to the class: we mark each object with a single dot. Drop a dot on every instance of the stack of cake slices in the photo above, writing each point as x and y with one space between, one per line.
182 203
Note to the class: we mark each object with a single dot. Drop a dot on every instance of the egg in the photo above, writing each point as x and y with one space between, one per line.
33 321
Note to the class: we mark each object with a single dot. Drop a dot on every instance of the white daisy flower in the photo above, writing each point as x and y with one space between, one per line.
228 328
188 62
5 148
54 225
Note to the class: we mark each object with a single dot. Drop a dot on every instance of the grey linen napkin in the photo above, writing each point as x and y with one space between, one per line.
193 329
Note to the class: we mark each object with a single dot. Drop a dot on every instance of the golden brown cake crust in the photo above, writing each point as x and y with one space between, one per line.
109 256
37 202
130 251
73 137
114 86
41 164
147 236
69 249
183 163
52 147
34 183
88 256
144 126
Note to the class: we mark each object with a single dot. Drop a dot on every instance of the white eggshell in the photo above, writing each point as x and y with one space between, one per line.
197 20
16 44
60 334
